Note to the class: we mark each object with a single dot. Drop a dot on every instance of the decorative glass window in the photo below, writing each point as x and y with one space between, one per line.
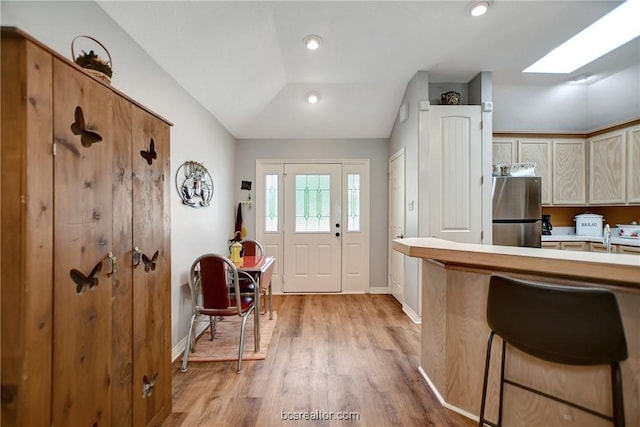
313 203
271 202
353 202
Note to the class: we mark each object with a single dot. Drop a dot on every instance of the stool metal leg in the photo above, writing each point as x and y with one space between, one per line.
502 363
482 420
616 394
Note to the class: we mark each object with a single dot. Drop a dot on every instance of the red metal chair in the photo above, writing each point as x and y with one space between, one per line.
215 291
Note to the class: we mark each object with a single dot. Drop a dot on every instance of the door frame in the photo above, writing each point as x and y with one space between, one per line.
400 297
355 245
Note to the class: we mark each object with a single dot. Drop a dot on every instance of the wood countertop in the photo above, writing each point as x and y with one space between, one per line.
622 270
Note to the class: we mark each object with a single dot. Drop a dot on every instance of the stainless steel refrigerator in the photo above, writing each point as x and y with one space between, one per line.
517 216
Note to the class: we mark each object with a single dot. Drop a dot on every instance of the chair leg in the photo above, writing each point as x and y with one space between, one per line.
187 346
486 380
212 326
616 396
244 322
502 364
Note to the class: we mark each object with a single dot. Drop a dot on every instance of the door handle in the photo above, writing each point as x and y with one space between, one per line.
338 234
401 236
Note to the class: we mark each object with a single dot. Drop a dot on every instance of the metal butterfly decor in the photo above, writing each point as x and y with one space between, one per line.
147 387
78 127
150 154
150 264
82 281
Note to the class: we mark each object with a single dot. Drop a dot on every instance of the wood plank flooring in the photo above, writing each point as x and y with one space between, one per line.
339 356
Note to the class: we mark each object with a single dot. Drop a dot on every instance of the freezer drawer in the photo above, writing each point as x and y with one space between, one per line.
518 234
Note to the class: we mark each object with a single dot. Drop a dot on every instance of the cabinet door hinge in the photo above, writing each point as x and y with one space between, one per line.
481 179
54 149
481 235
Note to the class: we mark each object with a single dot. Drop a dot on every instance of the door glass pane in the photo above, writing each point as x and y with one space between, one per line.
271 203
353 202
313 203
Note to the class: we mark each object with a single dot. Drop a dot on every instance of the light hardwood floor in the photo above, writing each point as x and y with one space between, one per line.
342 354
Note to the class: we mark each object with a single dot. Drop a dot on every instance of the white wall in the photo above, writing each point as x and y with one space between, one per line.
407 135
376 150
196 134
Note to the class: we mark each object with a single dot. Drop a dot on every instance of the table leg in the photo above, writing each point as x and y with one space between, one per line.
270 303
256 316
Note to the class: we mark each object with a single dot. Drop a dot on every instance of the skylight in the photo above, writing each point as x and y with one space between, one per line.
611 31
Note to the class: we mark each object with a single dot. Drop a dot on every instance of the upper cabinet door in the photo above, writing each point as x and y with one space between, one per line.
607 164
569 163
633 162
83 208
504 151
538 151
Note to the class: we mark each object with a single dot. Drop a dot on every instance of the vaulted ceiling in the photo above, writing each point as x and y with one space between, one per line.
245 61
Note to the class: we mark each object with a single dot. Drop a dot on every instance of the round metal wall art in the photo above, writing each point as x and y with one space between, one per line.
194 184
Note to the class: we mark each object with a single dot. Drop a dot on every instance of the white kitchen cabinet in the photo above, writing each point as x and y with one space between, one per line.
538 151
607 168
569 172
504 150
633 164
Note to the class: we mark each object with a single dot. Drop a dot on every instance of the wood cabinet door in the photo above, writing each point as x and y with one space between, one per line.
569 162
633 165
504 151
607 166
538 151
83 240
151 269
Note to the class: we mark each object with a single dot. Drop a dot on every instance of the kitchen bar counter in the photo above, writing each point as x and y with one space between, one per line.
455 282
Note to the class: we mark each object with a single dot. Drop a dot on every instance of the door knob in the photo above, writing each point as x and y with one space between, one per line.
401 236
338 234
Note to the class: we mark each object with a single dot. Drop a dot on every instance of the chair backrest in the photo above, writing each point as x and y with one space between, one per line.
252 247
211 275
562 324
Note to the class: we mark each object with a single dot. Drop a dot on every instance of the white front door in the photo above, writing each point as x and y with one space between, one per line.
396 224
312 227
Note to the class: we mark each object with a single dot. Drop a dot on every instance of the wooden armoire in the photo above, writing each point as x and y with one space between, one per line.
85 261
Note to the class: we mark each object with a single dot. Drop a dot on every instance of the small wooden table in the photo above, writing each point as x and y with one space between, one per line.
261 268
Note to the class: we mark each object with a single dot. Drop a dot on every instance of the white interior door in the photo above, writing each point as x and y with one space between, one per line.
396 224
312 233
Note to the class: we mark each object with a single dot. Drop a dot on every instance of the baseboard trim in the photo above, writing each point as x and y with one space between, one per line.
379 290
178 350
412 314
443 402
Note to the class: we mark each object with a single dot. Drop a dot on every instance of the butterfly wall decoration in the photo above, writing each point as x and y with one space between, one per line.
148 385
82 281
150 264
78 127
149 155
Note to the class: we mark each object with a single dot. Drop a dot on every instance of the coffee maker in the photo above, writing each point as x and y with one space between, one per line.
546 225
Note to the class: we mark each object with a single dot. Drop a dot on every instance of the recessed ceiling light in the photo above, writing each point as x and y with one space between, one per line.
609 32
312 97
312 42
479 8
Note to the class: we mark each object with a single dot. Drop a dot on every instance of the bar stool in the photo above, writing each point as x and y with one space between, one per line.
561 324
